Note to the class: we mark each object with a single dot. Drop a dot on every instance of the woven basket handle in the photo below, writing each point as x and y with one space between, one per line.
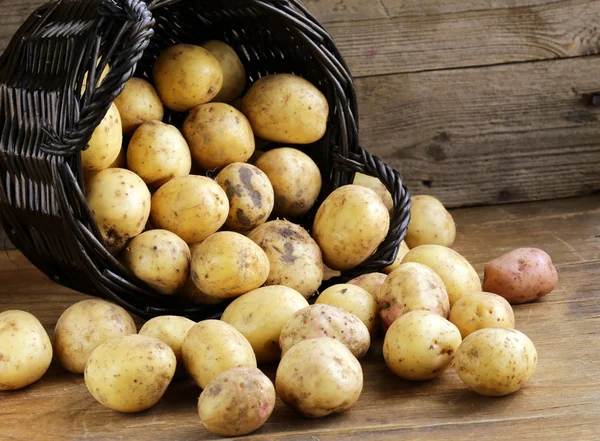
131 25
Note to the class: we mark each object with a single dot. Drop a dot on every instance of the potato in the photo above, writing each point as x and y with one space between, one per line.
137 103
296 180
237 402
120 160
430 223
218 135
402 250
377 186
191 292
480 310
86 325
157 153
234 74
260 316
120 204
250 195
211 347
411 287
318 377
355 300
193 207
295 258
286 108
326 321
130 373
370 282
105 144
420 345
329 273
228 264
25 350
349 226
520 276
455 271
99 79
496 361
186 76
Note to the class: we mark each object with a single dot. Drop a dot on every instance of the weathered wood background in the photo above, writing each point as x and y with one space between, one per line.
474 101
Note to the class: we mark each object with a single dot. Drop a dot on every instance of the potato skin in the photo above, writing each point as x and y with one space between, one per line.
137 103
171 330
520 276
130 373
105 144
260 316
322 320
186 76
496 361
480 310
234 74
295 258
296 180
355 300
318 377
377 186
250 194
286 108
349 226
370 282
86 325
25 348
237 402
211 347
191 292
420 345
228 264
218 135
402 250
430 223
455 271
193 207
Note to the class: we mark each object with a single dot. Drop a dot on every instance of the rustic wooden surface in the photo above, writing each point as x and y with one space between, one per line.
560 403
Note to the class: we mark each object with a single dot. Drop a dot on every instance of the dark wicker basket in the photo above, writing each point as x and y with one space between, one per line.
45 122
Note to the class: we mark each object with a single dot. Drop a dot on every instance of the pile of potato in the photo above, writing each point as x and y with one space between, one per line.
210 240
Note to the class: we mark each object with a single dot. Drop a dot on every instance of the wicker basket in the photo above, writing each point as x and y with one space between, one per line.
45 122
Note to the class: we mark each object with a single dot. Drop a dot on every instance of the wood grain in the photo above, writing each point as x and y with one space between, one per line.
560 403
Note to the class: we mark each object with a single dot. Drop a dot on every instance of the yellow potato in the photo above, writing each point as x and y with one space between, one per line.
295 258
496 361
260 316
120 204
86 325
329 273
99 80
193 207
318 377
349 226
157 153
171 330
191 292
105 144
286 108
250 195
430 223
218 135
402 250
234 74
420 345
25 350
296 180
131 373
455 271
370 282
137 103
211 347
481 310
186 76
355 300
377 186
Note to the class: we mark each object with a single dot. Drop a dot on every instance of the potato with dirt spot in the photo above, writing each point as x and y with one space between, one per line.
480 310
402 250
370 282
25 350
130 373
193 207
120 204
212 347
430 223
355 300
296 180
420 345
137 103
250 195
191 292
237 402
318 377
295 258
349 226
234 74
377 186
496 361
321 320
86 325
105 144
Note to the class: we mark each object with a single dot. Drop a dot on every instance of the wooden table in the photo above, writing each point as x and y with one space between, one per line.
560 403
